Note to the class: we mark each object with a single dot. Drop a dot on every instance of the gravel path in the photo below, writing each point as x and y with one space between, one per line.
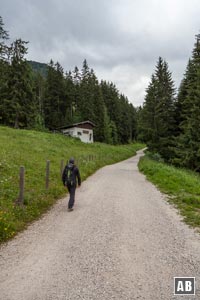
122 241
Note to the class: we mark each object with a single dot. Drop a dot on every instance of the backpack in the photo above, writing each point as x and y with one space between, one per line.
69 180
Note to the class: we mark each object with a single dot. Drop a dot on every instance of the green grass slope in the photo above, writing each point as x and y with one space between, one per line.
32 149
183 187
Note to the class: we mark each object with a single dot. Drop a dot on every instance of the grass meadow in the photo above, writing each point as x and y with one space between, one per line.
182 186
32 149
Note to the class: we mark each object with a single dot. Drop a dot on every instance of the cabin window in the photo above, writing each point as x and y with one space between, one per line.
86 131
79 133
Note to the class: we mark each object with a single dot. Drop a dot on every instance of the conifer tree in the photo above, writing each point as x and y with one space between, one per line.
20 102
181 106
98 108
159 111
91 104
148 128
55 105
86 103
125 120
71 100
188 143
76 99
107 128
140 132
77 76
39 87
133 122
114 133
4 68
111 100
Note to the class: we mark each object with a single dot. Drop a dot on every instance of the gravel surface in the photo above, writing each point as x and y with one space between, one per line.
122 241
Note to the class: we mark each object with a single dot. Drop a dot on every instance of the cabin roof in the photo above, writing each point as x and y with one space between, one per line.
78 124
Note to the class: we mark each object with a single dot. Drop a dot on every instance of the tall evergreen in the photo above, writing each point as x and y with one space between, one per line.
111 100
39 88
76 99
4 68
86 103
140 132
19 101
71 99
90 102
98 108
159 111
148 128
55 97
133 121
187 152
181 108
108 138
125 128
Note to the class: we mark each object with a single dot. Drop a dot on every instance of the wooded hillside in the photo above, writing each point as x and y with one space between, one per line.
169 123
45 97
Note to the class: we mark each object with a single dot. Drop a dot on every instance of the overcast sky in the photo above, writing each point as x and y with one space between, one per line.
120 39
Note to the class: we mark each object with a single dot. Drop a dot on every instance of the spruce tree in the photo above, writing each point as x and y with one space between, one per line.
148 128
71 99
4 69
125 120
111 100
188 143
76 98
91 104
20 102
39 87
107 128
55 105
159 111
133 122
86 103
181 106
98 109
114 133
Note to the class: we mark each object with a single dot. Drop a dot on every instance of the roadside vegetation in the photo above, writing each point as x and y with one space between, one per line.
32 149
182 186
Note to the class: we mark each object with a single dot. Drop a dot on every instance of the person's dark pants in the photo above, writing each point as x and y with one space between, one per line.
71 190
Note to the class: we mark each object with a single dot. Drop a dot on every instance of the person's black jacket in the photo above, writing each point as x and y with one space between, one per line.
75 174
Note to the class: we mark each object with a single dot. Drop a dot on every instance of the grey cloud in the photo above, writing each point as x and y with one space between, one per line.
121 39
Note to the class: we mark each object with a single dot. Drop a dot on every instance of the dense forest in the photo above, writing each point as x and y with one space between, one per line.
44 97
169 123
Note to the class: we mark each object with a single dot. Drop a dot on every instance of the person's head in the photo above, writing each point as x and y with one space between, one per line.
71 160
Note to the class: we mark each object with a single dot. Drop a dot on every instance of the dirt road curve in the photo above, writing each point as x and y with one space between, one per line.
122 241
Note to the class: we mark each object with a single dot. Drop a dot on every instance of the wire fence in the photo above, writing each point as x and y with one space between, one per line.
79 161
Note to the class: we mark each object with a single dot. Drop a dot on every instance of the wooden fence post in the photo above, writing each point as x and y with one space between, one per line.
47 174
20 200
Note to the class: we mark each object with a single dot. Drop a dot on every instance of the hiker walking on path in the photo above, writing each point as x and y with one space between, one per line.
69 177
